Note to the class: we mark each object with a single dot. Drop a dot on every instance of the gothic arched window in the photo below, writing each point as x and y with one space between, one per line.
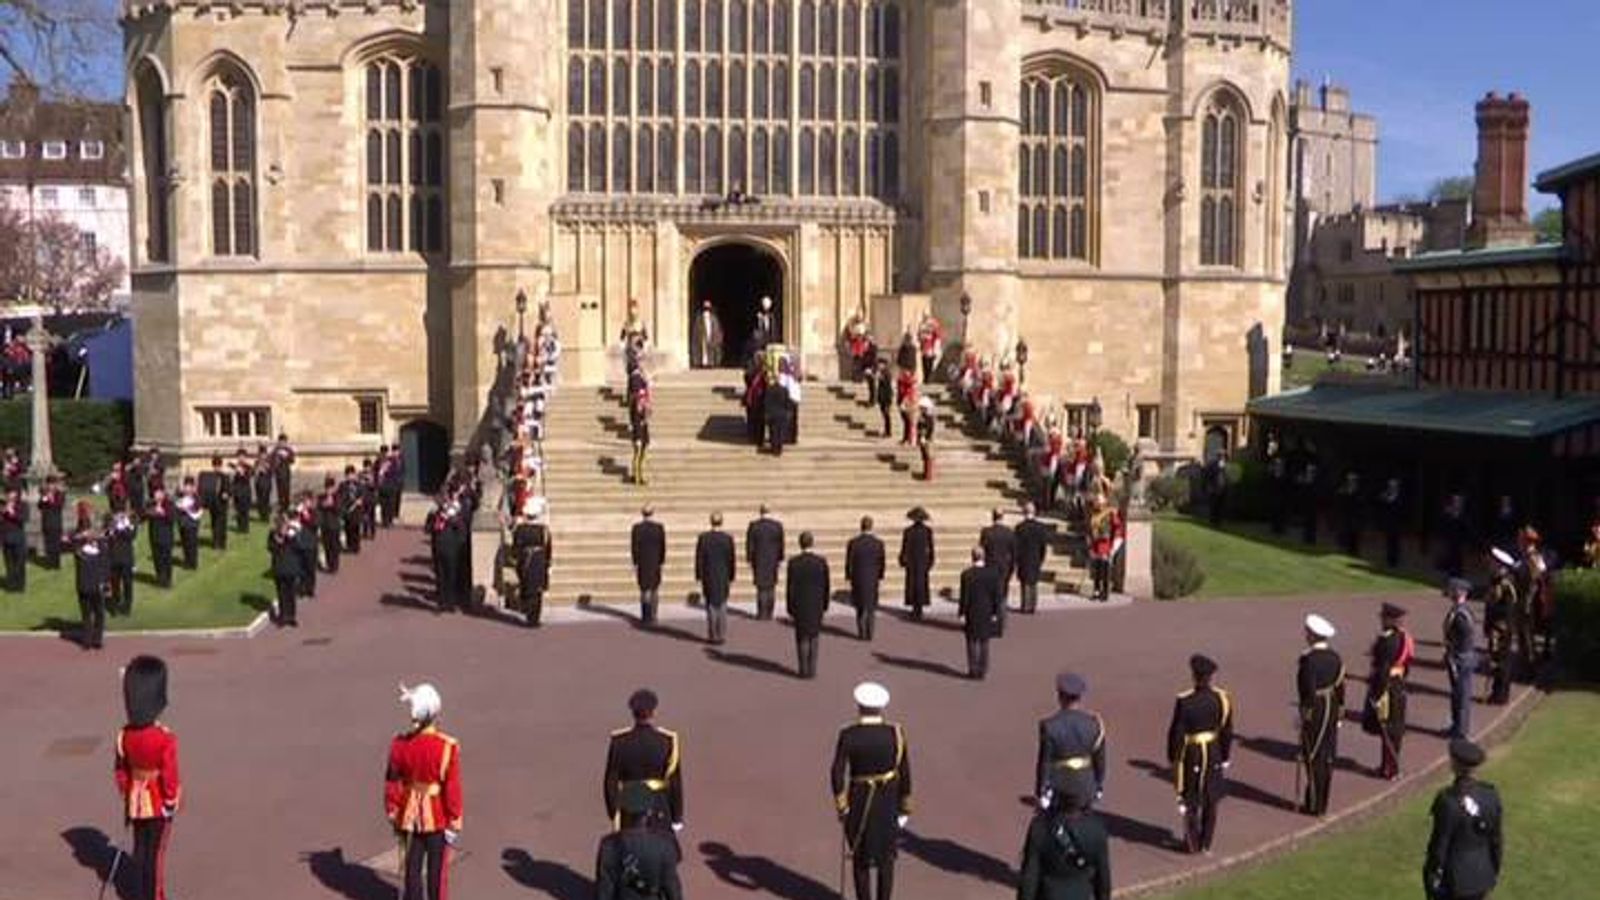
1058 165
1222 138
232 107
405 149
152 123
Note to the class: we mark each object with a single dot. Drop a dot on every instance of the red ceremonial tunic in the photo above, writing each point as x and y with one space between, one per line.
422 788
147 771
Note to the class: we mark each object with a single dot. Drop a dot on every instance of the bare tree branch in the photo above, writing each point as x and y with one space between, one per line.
61 45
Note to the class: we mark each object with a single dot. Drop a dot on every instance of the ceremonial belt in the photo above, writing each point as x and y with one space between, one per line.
1075 763
1327 691
1200 738
425 788
881 778
657 785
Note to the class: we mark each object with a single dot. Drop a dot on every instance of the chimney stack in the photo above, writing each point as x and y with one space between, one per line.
1500 194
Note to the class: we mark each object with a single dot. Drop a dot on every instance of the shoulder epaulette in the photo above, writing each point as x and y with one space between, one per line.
1183 694
668 732
620 732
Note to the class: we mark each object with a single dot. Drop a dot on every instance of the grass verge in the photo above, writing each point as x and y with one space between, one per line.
1247 560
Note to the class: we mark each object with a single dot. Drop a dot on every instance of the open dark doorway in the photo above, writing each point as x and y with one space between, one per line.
425 451
733 278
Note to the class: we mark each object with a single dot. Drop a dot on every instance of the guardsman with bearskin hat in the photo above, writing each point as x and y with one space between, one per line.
871 780
1319 682
422 795
1199 746
147 773
1385 713
647 756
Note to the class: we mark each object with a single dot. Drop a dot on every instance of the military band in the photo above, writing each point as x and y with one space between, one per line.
52 507
1319 683
1200 748
871 781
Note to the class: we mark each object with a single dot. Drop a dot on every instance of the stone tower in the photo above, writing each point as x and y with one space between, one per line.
505 71
970 102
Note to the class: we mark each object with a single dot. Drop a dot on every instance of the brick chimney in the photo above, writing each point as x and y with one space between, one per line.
1500 196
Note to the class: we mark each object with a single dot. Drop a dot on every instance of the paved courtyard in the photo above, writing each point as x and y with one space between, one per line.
283 741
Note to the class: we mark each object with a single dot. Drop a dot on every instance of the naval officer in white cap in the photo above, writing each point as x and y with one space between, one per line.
872 790
1320 685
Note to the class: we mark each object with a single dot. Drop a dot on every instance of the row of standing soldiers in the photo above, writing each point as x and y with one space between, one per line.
449 529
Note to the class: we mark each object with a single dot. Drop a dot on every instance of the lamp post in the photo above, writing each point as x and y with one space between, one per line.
966 315
1095 413
1022 361
522 309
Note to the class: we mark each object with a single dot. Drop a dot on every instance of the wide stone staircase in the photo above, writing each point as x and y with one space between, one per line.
700 462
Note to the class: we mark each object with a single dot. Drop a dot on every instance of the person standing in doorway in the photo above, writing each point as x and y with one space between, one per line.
705 339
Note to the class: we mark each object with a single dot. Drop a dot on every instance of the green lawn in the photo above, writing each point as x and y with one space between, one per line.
1549 780
228 589
1246 559
1309 365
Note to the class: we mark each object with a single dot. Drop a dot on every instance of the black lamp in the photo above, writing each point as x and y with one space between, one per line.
522 308
966 313
1022 359
1095 413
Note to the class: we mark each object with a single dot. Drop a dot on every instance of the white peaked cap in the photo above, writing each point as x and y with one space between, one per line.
1503 558
766 302
423 700
871 695
1319 626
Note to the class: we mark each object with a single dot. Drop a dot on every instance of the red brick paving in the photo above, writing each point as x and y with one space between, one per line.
283 739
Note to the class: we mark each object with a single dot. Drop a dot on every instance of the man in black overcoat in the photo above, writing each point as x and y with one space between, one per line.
1033 543
1000 553
808 590
863 568
763 551
649 551
979 600
917 558
714 568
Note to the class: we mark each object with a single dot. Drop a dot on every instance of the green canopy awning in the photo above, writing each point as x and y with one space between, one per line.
1519 416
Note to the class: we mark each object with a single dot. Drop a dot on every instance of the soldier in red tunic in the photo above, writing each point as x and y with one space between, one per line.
147 773
422 795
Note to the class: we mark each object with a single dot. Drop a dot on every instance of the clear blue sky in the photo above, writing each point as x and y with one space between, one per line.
1420 65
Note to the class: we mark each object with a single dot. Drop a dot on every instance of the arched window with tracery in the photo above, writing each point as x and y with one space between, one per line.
1058 165
1222 136
231 117
153 162
405 148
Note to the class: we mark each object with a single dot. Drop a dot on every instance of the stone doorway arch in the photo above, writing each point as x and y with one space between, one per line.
732 275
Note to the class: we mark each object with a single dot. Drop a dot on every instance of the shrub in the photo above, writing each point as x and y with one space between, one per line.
87 436
1174 569
1249 490
1577 623
1167 492
1114 449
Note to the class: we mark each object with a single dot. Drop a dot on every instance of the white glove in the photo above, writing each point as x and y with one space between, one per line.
902 820
677 827
1182 809
1044 800
1227 764
451 837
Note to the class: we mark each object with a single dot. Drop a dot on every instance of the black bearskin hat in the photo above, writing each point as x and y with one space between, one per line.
144 690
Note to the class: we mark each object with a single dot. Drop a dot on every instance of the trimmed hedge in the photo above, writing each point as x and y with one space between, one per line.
1577 623
1174 569
87 436
1167 493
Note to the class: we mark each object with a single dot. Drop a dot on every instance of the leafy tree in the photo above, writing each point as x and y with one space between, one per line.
1547 225
1456 187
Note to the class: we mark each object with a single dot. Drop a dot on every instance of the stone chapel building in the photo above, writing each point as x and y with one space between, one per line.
336 201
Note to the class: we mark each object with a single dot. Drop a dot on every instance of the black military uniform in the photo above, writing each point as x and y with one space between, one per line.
283 471
1465 848
1072 747
52 504
351 500
534 554
158 516
871 780
1067 854
1497 611
261 482
329 523
1350 501
1000 554
1033 543
764 551
1460 657
214 499
90 557
648 549
286 574
138 486
978 604
917 558
239 490
369 501
883 394
1319 682
649 757
807 592
714 570
1199 746
14 543
120 530
305 544
1385 712
863 568
453 544
188 516
637 862
1394 516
